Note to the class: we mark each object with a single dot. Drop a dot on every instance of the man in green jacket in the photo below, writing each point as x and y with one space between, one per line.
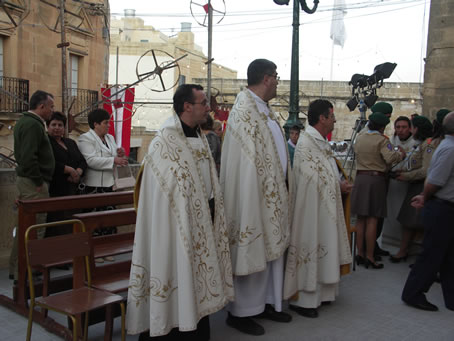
34 156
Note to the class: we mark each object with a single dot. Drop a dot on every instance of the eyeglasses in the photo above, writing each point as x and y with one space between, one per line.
203 103
275 76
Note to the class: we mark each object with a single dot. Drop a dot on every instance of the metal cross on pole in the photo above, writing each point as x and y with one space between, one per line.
294 73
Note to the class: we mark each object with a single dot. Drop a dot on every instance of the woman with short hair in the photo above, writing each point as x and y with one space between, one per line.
70 166
416 164
374 157
102 155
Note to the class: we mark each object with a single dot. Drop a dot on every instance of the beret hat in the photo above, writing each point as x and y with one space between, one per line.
423 124
379 118
382 107
441 115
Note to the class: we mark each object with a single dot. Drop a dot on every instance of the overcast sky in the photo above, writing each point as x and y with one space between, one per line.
377 31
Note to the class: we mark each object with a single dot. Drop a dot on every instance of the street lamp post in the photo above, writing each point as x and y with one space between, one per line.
294 73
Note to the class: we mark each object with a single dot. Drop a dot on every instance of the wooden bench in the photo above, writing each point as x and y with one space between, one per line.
113 277
27 210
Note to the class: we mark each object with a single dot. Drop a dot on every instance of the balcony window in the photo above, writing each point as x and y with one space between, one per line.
74 73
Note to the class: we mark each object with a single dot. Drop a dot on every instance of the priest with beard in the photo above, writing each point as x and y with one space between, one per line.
319 250
181 268
255 179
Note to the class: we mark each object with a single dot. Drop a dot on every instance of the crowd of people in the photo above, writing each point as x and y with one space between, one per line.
50 164
266 221
276 226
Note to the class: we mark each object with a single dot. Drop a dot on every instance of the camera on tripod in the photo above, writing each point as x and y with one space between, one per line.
365 87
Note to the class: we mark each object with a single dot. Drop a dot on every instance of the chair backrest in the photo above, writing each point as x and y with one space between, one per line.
58 249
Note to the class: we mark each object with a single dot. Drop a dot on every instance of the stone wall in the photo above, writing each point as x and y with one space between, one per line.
438 73
404 97
8 212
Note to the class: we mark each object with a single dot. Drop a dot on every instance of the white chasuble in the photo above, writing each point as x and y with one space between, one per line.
319 242
181 266
253 180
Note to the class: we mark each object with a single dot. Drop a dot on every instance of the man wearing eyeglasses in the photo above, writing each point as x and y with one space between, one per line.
256 178
181 269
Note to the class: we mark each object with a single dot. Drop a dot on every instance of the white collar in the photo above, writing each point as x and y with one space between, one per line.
256 97
315 133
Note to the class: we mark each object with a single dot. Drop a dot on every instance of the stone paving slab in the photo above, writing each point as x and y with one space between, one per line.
368 308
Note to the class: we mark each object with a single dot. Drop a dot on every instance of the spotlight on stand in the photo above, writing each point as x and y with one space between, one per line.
352 103
365 87
384 70
358 81
370 99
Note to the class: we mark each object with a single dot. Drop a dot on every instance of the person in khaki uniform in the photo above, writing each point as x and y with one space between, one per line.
374 156
416 165
386 109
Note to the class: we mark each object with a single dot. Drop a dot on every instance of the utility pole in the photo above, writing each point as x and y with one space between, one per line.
293 111
64 74
210 47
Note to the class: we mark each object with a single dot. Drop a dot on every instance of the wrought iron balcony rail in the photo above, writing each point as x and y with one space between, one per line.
81 102
14 97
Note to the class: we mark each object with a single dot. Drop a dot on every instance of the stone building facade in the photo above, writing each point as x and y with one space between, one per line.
404 97
30 59
131 39
439 67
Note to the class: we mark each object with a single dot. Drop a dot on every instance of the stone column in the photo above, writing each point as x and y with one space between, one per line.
438 89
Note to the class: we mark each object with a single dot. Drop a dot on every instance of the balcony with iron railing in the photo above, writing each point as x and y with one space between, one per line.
14 94
81 102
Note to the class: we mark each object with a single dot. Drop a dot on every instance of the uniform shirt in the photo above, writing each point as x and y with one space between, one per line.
417 162
406 145
441 170
375 152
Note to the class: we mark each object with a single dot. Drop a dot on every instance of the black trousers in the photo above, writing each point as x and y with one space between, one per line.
437 255
202 333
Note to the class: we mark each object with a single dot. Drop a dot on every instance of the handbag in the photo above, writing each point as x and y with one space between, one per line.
123 178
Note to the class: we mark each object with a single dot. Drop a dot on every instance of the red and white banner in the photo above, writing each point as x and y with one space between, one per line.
120 109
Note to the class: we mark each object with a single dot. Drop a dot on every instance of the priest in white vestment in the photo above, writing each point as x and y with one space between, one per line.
181 266
398 189
255 177
319 243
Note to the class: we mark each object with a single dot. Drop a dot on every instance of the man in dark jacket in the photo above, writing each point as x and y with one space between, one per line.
34 156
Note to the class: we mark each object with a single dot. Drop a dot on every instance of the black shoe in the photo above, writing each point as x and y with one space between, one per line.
377 258
271 314
359 260
380 252
245 325
306 312
373 265
423 305
326 302
438 279
394 259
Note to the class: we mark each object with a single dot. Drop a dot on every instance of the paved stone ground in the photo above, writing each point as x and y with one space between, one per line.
368 308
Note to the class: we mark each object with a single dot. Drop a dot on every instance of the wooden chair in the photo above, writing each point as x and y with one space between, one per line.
82 298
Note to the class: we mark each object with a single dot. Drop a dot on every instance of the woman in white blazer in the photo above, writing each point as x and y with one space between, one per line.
102 154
